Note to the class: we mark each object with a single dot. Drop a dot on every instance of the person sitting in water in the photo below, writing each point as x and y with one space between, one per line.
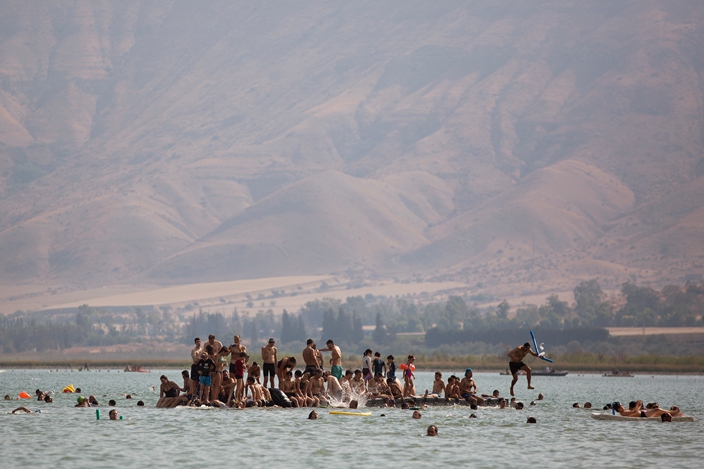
432 431
113 414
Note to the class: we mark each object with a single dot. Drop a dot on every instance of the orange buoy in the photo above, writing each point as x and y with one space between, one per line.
24 395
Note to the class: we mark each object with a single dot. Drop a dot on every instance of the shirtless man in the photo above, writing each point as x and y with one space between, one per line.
288 387
257 394
237 347
394 388
335 359
227 389
283 365
636 409
468 389
517 355
217 345
378 387
316 388
309 357
196 353
269 357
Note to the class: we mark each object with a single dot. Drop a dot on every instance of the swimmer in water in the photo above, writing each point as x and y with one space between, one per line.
25 410
82 402
313 415
432 431
517 355
416 415
113 414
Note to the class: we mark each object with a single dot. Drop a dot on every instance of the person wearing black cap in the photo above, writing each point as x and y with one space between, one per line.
468 389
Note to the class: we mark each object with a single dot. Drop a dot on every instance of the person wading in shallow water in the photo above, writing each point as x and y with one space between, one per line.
517 355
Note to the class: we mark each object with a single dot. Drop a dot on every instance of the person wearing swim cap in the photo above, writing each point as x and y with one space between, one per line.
82 402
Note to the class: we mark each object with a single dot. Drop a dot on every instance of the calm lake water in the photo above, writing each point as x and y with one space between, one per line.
64 436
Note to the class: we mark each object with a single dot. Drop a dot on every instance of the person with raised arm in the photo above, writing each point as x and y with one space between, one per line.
335 359
517 355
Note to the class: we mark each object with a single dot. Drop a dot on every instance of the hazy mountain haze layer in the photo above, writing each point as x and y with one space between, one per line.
521 143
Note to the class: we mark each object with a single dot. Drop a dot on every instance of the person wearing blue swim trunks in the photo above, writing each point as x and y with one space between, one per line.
206 366
335 359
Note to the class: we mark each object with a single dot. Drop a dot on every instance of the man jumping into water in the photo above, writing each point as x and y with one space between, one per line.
517 355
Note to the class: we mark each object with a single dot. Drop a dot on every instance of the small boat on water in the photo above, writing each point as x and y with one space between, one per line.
135 369
618 374
549 372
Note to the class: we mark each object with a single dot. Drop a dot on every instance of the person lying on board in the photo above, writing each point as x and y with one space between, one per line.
636 409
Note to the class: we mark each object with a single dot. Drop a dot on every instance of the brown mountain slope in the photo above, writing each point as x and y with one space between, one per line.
181 141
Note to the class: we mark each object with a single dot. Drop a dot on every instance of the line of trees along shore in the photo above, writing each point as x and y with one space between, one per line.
458 319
